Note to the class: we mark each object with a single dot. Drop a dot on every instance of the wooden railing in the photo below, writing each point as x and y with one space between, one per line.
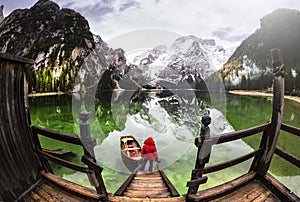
207 142
286 156
90 167
267 148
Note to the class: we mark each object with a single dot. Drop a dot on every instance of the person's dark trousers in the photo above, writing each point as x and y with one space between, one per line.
144 164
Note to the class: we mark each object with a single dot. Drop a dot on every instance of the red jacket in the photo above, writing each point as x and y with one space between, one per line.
149 151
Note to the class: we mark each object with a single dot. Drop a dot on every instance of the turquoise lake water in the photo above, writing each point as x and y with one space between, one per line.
173 130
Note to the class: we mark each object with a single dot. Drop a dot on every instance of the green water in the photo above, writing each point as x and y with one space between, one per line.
55 112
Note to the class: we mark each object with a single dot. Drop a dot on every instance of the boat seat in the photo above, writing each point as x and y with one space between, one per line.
132 148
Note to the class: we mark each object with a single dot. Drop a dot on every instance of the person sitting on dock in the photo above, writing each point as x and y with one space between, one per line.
149 152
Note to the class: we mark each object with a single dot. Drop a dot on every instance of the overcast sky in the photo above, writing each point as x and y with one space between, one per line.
227 20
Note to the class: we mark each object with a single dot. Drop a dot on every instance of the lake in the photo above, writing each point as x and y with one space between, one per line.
173 127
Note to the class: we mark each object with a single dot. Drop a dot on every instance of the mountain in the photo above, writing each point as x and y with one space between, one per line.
189 58
58 40
249 67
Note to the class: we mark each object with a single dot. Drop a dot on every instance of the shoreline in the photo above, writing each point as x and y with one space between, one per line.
46 94
256 93
235 92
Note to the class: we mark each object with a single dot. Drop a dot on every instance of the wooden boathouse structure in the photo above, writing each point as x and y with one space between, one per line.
26 174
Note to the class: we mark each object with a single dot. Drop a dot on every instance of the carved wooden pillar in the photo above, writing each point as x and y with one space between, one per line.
85 136
88 158
270 136
204 144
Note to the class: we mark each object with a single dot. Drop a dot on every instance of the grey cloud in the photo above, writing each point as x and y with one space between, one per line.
129 4
68 4
92 11
224 33
97 9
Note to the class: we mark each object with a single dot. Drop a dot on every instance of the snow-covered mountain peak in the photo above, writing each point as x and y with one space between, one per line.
193 58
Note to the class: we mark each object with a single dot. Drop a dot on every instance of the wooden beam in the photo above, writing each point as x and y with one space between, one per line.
279 188
221 190
72 187
170 186
290 129
227 137
288 157
91 164
64 163
197 182
268 143
64 137
232 162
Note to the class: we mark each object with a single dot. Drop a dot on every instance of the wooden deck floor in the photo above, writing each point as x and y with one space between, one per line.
255 191
51 188
47 192
147 185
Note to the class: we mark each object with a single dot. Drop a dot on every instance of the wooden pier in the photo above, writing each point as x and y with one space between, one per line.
26 174
145 184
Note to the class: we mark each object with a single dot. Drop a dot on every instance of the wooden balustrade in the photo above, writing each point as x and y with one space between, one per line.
91 168
262 156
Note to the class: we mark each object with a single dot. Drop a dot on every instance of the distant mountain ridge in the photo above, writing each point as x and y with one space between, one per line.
189 58
249 67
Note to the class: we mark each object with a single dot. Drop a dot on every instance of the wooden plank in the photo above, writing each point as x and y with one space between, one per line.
64 163
291 129
44 194
288 157
223 189
64 137
122 189
91 164
148 194
51 192
57 152
232 162
146 189
196 182
152 184
227 137
70 186
280 188
171 188
148 178
133 199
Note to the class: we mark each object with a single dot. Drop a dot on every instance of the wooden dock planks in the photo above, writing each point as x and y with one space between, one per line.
255 191
47 192
147 185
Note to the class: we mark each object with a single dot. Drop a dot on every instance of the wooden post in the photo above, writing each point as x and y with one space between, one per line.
88 158
268 143
204 144
85 136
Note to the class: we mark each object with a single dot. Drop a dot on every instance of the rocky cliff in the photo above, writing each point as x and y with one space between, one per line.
58 40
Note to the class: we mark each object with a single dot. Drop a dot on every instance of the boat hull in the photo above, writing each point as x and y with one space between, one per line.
130 152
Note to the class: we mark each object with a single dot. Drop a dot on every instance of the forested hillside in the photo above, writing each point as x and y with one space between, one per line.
250 65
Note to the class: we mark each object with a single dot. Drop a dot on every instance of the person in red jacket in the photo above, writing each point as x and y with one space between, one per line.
149 153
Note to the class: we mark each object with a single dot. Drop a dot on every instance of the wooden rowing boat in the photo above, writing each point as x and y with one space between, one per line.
130 151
